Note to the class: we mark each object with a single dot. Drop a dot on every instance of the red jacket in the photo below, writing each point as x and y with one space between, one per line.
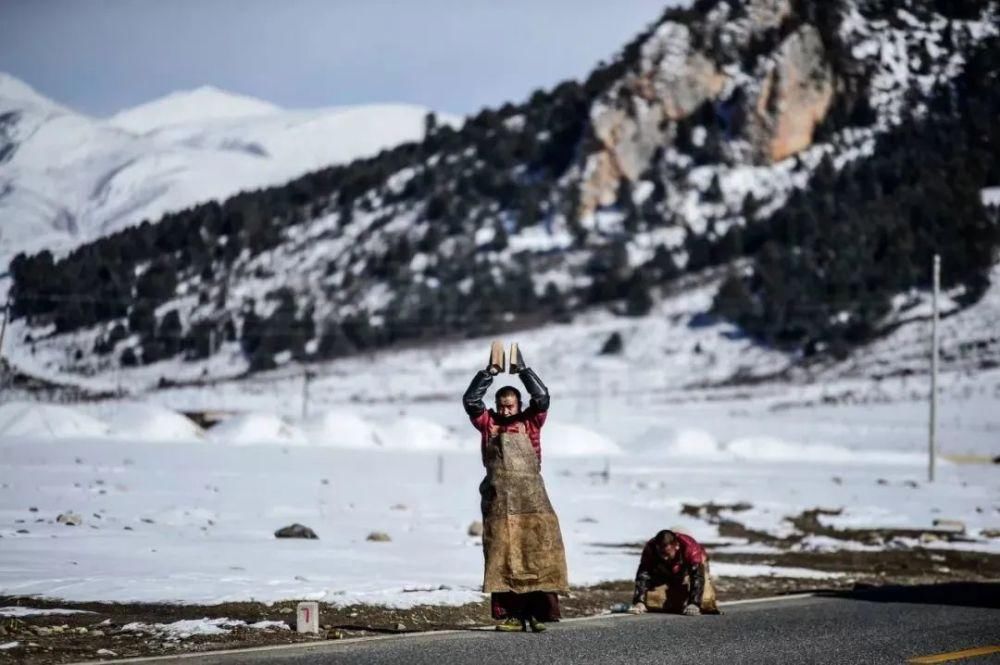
690 554
490 424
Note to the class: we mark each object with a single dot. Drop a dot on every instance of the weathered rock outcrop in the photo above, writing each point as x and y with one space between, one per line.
768 14
786 97
795 95
673 80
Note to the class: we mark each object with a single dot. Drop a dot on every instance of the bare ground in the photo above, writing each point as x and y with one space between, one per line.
101 633
76 637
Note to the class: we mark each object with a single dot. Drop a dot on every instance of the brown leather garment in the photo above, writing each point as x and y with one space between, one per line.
673 596
522 542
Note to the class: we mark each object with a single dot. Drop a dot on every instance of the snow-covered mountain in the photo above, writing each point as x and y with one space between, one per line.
67 179
801 161
200 105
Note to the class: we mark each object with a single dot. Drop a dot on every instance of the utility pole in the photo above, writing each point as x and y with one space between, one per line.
599 402
3 330
211 352
932 434
205 374
3 327
306 376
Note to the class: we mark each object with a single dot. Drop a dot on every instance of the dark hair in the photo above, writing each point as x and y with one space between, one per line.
665 537
508 390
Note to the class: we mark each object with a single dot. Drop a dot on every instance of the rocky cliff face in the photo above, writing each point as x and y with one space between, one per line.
783 96
795 95
636 117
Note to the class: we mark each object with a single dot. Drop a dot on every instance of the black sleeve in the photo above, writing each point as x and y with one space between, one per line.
643 576
697 575
473 398
641 587
539 393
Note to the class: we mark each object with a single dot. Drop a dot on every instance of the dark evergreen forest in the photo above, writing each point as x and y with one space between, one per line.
820 275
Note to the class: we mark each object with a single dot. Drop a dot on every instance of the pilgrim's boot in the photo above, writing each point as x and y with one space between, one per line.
536 625
511 625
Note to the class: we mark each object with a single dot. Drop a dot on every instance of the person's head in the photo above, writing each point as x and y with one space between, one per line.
508 401
666 544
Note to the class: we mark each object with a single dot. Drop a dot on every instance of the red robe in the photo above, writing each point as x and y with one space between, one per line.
690 554
490 423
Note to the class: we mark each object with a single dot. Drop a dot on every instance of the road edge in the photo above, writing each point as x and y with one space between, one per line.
326 644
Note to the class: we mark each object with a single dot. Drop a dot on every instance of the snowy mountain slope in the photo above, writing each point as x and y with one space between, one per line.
723 134
673 356
68 179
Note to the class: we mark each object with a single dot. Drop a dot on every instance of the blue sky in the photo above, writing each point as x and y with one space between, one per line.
457 56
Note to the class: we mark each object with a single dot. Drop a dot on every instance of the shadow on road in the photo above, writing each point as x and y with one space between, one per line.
968 594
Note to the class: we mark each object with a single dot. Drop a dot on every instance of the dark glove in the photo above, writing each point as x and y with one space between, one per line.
473 398
539 393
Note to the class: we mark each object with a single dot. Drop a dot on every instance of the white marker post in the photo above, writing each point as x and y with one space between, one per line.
307 617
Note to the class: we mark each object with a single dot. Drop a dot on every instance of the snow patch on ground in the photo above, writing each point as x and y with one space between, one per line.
759 570
412 433
46 421
341 429
695 443
257 428
828 544
776 450
143 422
185 628
19 611
567 440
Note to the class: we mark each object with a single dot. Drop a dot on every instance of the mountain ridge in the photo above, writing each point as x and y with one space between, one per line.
685 152
204 103
69 178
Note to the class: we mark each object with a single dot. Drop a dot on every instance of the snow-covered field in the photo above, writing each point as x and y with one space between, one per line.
170 513
173 513
127 500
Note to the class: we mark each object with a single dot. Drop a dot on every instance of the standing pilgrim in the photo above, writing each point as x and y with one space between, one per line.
522 544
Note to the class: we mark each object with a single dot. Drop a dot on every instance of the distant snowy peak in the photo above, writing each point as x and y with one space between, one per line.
67 178
15 94
202 104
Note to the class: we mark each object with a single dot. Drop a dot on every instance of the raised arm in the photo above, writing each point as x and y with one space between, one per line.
473 398
539 393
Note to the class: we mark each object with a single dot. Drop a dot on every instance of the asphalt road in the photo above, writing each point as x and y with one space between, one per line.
872 627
